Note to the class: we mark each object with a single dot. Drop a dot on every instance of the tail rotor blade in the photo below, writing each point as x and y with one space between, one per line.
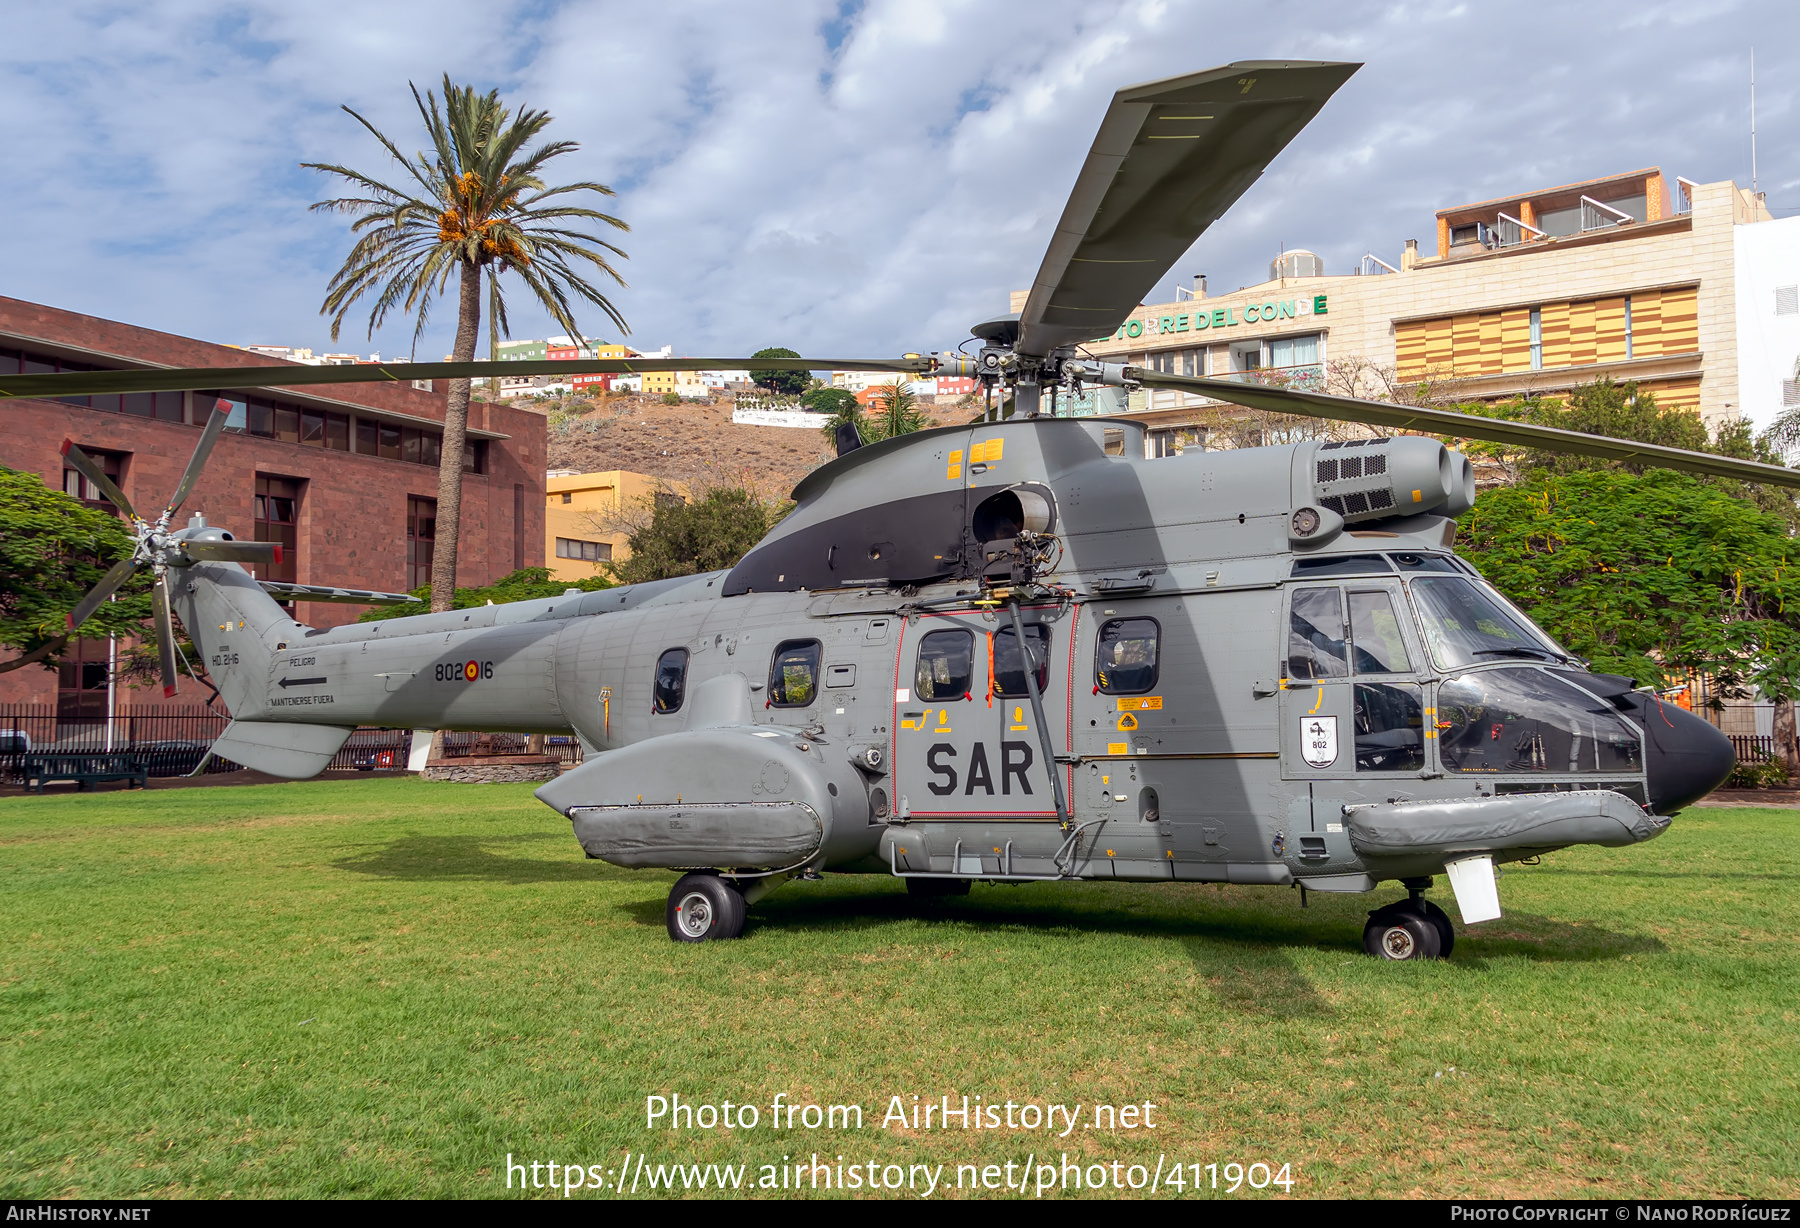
234 552
96 596
197 461
165 638
84 464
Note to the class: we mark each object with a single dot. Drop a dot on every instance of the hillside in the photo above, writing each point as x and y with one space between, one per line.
692 443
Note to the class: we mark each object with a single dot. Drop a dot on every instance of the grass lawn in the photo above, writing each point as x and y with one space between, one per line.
382 988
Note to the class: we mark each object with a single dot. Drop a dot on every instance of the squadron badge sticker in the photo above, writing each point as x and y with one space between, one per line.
1318 740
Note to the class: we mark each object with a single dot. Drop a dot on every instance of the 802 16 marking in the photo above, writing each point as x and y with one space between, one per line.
464 671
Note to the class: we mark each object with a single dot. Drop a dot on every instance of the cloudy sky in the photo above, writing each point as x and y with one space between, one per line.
841 177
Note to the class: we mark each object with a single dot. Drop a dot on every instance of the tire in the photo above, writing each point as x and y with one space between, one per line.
1401 935
1446 931
936 888
704 907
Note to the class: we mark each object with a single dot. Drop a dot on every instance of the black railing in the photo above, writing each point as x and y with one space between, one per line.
1752 747
170 740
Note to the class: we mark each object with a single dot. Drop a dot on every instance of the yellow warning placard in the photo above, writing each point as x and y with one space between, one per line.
1128 722
953 470
1140 703
1118 748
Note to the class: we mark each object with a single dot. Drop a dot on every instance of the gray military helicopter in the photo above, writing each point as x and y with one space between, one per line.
1017 650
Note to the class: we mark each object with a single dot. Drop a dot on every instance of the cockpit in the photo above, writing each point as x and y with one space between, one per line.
1432 656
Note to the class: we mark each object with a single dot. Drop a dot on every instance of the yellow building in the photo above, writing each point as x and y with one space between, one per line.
579 506
1633 276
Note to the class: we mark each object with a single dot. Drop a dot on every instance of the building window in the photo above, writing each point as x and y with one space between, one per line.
81 682
78 487
1537 339
278 520
568 496
1300 351
574 548
1627 328
421 538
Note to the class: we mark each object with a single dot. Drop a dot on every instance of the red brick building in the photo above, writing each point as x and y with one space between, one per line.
344 475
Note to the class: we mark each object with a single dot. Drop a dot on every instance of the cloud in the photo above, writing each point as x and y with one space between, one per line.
841 178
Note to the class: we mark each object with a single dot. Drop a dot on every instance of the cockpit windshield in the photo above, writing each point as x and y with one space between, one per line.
1468 624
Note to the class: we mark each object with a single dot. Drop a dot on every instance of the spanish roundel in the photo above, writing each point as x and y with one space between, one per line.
472 670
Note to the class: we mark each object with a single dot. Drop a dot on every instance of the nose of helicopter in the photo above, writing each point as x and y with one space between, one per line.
1685 757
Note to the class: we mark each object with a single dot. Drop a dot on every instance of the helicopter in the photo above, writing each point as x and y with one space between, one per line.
1015 649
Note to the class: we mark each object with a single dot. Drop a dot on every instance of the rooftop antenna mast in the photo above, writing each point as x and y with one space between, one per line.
1753 121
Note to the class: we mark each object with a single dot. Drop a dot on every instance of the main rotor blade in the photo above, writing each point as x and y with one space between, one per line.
197 461
1170 157
175 379
96 596
1468 426
84 464
165 638
233 552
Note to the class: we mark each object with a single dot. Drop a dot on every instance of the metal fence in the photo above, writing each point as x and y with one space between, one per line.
171 740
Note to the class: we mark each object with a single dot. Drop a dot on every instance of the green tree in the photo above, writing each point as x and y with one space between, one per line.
682 538
53 549
1649 576
841 406
477 204
1619 411
525 584
785 383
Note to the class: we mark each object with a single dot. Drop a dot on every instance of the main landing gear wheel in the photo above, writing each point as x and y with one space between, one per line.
703 907
1401 935
936 888
1446 931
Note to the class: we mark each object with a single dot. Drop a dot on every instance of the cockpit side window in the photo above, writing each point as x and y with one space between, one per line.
1125 656
794 674
1378 645
1526 720
670 686
1316 634
945 666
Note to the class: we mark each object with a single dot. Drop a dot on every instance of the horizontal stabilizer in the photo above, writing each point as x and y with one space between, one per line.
283 591
291 751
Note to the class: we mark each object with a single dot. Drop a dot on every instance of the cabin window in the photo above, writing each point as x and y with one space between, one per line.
1375 635
1009 670
794 676
945 665
1125 656
1390 726
1316 634
671 680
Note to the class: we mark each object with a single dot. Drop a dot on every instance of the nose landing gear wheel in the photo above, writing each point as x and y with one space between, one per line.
703 907
1401 935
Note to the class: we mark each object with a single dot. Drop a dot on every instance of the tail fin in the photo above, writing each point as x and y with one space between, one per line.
238 629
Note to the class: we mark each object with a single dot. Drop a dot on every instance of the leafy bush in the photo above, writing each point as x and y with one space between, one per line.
671 398
1752 774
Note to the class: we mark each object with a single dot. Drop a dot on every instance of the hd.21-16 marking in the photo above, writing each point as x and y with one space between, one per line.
466 671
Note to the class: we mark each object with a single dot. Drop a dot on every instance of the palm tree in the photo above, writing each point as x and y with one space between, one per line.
899 412
477 204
